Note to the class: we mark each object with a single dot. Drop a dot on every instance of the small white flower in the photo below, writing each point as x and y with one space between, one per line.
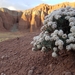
55 37
60 47
73 34
72 19
49 23
64 13
47 38
60 33
38 46
37 42
59 42
51 39
70 34
62 9
32 42
54 54
68 7
57 17
46 32
35 38
3 74
43 28
54 22
67 41
56 43
73 46
64 36
67 17
54 26
55 32
71 24
72 39
71 10
68 47
55 49
50 18
72 29
41 39
52 34
33 49
43 49
72 13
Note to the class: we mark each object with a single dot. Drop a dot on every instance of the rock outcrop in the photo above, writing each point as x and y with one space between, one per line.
31 19
8 19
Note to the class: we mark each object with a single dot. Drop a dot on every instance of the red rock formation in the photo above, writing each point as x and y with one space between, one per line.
1 25
8 18
24 22
31 19
36 15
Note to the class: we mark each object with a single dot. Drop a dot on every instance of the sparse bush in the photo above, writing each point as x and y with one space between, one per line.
57 32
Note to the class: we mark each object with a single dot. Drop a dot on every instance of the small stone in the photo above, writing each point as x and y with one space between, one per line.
2 57
3 74
51 67
32 68
30 72
67 73
50 74
39 72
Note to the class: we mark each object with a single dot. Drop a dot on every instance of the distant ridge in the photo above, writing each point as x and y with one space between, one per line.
31 19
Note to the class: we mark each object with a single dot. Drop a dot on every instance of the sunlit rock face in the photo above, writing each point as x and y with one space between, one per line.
31 19
8 18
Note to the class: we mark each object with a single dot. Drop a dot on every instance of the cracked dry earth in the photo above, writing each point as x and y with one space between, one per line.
17 58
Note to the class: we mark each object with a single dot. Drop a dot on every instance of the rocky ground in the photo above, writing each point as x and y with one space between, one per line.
17 58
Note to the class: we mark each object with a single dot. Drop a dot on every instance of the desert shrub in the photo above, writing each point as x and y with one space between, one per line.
57 32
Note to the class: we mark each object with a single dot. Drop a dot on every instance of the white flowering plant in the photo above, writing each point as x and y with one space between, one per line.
57 32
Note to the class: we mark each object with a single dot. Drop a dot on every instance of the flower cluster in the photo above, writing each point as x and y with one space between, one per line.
57 32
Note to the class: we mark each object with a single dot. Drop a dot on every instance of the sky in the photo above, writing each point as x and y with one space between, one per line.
27 4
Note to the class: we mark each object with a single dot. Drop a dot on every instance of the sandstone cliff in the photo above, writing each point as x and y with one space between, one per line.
31 19
8 19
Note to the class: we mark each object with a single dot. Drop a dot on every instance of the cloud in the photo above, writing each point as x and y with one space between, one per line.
11 8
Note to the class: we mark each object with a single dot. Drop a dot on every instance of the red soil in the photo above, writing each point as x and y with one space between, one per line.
17 58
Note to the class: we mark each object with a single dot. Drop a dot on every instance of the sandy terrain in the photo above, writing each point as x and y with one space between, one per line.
10 35
17 58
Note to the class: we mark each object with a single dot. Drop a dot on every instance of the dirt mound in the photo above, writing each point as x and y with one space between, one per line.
17 58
